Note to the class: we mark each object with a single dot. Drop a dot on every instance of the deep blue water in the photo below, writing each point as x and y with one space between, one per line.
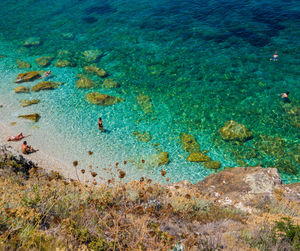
201 62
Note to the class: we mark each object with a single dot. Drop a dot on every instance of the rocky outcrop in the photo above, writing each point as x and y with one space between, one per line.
110 84
27 77
235 131
189 143
44 61
46 85
145 103
85 83
95 70
98 98
23 65
21 89
28 102
198 157
34 116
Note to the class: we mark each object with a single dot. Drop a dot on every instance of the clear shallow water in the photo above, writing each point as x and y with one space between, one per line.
202 63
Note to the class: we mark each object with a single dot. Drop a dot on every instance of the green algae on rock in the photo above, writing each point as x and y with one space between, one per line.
159 159
235 131
27 77
212 164
95 70
198 157
285 165
64 63
189 143
44 61
100 99
46 85
28 102
21 89
85 83
91 56
23 64
34 116
145 103
110 84
142 136
32 41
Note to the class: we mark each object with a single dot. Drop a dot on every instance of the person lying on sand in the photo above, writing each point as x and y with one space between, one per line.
18 137
26 149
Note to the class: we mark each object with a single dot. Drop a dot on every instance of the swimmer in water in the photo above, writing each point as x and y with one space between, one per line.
274 57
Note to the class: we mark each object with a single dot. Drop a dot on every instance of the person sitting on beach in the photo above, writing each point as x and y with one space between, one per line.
46 74
17 137
26 149
284 97
100 124
274 57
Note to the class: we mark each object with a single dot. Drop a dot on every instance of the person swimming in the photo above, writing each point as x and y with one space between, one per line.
274 57
285 97
46 74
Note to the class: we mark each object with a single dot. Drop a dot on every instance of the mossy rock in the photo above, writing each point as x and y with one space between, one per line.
235 131
28 102
21 89
198 157
95 70
110 84
34 116
189 143
212 164
145 103
144 137
46 85
44 61
270 145
64 63
32 41
285 165
91 56
23 65
100 99
27 77
85 83
159 159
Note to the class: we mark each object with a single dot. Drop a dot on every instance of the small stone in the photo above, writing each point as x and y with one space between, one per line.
98 98
21 89
85 83
212 164
46 85
32 41
95 70
34 116
44 61
109 84
27 77
25 103
23 64
198 157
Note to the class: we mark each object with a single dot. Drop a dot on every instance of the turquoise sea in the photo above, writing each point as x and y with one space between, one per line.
201 63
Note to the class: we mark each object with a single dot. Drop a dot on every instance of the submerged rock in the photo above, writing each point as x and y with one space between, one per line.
28 102
32 41
95 70
44 61
85 83
198 157
212 164
145 103
21 89
159 159
98 98
110 84
27 77
144 137
68 36
91 56
189 143
34 116
235 131
23 64
285 165
46 85
64 63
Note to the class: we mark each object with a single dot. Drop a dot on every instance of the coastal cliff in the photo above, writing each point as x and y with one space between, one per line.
234 209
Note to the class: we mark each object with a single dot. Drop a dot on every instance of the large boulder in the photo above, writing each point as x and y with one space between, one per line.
235 131
32 41
27 77
23 65
34 116
44 61
85 83
145 103
110 84
198 157
95 70
98 98
189 143
28 102
21 89
46 85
